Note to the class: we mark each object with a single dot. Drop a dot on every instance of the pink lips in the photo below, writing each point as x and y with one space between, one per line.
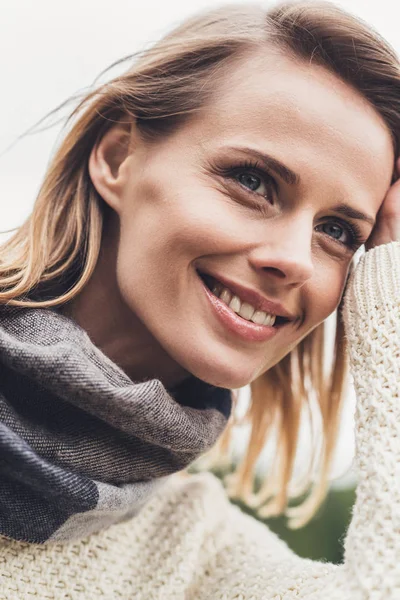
247 330
252 297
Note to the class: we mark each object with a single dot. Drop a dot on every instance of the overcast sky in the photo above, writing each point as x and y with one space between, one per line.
52 50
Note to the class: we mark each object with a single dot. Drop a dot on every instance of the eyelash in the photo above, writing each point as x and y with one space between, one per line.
357 238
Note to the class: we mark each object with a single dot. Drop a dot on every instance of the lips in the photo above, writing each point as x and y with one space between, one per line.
210 281
249 295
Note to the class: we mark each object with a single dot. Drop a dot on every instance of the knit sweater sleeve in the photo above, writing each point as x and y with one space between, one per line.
372 319
239 557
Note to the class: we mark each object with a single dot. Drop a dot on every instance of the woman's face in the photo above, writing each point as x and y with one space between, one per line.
204 200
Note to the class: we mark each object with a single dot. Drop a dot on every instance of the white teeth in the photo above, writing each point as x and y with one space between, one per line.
269 320
235 304
245 310
259 317
225 296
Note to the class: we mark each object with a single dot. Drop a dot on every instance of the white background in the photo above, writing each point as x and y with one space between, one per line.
52 50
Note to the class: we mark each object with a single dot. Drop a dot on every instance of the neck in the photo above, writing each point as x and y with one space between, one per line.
112 326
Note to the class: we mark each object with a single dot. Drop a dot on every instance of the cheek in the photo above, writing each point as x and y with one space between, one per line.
165 226
169 218
325 292
320 300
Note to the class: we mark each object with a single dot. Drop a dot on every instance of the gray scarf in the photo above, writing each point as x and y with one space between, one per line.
81 445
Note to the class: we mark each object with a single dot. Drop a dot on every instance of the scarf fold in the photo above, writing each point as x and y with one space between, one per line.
82 446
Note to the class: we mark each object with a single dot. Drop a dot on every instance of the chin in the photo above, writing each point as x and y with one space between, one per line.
224 376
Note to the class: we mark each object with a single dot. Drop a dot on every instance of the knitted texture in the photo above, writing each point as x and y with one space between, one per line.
189 543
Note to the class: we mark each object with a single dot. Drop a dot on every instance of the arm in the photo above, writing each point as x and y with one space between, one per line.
372 319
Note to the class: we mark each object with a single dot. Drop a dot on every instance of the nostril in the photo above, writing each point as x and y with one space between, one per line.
275 271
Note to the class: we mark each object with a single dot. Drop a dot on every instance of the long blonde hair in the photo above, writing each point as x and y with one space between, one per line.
51 257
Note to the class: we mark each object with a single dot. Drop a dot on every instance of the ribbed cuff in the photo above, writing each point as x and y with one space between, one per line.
375 282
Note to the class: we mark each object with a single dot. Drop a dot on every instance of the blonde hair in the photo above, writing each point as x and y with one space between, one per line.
51 257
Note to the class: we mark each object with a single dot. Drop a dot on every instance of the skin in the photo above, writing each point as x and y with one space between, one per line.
170 212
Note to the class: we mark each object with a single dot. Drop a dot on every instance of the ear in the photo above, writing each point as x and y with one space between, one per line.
108 165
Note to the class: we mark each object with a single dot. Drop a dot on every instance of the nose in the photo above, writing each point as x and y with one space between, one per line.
286 251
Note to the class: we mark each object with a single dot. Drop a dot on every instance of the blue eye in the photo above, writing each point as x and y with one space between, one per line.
249 180
252 177
335 230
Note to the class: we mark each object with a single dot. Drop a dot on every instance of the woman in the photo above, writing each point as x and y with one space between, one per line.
195 229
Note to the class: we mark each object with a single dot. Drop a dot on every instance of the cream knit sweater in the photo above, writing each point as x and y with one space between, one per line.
190 543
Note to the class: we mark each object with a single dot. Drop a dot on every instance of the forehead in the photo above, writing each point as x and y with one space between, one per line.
308 118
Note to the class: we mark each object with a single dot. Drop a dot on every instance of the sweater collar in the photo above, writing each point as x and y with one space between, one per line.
81 439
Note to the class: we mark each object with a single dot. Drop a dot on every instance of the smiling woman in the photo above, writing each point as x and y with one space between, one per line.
194 231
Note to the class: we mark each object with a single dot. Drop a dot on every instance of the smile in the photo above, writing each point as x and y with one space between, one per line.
240 317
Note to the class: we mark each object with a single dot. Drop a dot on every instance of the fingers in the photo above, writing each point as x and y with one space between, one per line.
397 168
387 226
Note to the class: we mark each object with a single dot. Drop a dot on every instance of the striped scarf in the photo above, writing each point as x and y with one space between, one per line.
82 446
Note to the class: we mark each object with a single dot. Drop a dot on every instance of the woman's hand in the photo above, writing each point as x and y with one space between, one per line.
387 226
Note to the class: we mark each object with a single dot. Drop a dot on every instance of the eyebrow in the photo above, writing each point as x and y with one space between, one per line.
288 176
292 178
347 210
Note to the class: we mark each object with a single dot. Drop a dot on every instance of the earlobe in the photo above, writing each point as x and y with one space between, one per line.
106 163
